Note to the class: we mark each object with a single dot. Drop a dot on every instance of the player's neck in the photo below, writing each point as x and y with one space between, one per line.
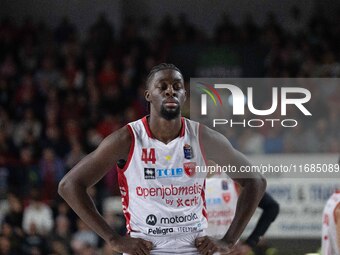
164 130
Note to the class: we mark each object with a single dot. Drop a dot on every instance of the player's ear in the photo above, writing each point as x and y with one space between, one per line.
147 95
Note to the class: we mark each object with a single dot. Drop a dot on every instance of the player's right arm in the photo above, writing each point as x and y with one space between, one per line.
73 189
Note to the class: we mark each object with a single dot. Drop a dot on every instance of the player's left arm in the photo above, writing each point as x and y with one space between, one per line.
337 224
218 148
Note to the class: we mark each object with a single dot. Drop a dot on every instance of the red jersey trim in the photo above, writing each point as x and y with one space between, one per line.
182 132
148 130
132 147
124 193
204 209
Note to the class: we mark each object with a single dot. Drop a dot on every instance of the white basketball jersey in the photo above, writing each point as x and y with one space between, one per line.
221 199
329 235
161 192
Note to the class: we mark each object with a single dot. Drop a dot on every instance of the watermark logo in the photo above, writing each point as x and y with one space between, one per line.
271 104
238 99
212 92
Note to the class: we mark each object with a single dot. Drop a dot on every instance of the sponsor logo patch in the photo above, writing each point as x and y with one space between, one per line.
224 185
160 231
151 220
169 172
190 168
149 173
179 219
226 197
188 153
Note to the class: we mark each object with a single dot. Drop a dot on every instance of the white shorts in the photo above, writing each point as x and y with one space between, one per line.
182 244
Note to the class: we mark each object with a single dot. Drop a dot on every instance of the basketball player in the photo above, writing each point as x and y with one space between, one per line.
221 198
163 199
330 244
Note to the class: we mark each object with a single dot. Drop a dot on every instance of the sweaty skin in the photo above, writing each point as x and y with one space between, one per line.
166 94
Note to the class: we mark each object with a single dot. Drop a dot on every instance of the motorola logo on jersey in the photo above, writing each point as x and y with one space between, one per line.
149 174
179 219
151 220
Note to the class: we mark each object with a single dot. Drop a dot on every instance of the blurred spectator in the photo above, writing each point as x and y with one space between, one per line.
14 216
75 155
83 239
15 240
37 217
8 68
28 127
34 243
28 55
7 153
107 125
57 247
61 236
52 169
48 73
4 176
26 175
108 76
72 76
6 247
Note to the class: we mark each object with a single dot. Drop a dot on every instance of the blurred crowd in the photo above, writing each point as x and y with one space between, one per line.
60 95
